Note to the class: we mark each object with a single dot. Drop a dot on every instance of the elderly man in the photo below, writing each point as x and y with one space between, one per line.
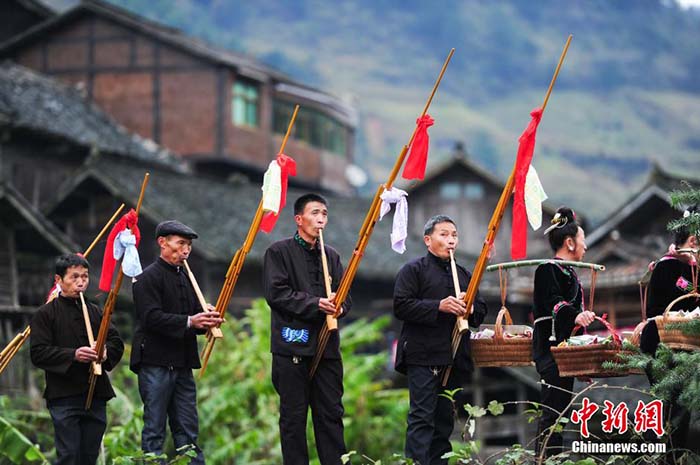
424 299
168 319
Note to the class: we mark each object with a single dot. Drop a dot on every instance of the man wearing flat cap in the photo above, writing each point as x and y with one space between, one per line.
164 352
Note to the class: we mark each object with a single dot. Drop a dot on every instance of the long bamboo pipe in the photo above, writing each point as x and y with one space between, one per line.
369 223
331 320
111 301
493 227
18 341
234 269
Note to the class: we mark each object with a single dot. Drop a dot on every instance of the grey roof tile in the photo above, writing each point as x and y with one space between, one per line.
221 212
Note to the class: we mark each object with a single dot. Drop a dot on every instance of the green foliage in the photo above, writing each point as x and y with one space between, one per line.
688 328
679 378
395 459
238 406
495 408
681 199
183 456
16 447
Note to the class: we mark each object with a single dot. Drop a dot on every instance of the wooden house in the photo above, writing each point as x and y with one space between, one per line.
224 111
29 244
633 236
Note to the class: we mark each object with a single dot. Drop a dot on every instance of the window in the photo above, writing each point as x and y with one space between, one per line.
450 190
473 191
311 126
455 190
244 106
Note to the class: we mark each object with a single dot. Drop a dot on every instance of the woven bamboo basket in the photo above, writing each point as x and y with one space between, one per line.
674 338
499 351
587 361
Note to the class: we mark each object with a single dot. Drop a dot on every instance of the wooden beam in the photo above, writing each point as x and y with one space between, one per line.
156 92
221 119
91 58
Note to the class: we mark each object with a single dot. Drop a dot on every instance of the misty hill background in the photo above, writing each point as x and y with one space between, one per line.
628 93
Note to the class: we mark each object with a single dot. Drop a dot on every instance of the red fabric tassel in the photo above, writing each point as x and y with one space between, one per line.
288 167
418 156
526 149
130 221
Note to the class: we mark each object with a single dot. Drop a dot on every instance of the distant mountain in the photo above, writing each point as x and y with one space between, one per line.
628 92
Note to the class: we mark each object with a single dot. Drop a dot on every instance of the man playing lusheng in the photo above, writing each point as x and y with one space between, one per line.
424 299
164 352
59 346
294 289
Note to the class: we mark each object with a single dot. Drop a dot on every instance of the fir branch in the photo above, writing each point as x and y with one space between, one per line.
692 222
686 197
688 328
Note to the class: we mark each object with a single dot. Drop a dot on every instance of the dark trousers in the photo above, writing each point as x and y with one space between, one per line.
169 393
554 400
78 432
430 416
323 393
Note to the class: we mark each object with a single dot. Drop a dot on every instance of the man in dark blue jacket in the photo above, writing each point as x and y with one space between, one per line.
424 299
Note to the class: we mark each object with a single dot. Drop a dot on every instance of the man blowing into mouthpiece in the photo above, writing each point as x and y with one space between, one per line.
164 351
295 290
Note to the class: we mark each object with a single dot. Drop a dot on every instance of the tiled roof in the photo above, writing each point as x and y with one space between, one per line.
244 64
34 102
221 212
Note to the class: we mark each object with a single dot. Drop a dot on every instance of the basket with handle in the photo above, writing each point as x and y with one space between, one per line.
500 351
503 351
587 360
674 336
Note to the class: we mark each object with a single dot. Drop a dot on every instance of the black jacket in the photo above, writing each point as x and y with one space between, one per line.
57 329
293 282
558 293
426 334
163 299
664 287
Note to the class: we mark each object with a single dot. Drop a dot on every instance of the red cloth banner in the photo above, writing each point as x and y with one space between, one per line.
418 156
526 149
288 167
130 221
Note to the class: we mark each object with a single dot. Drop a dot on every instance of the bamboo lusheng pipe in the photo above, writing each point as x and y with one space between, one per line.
371 220
13 347
462 321
96 366
493 227
373 213
111 301
234 269
538 262
331 320
195 286
103 231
